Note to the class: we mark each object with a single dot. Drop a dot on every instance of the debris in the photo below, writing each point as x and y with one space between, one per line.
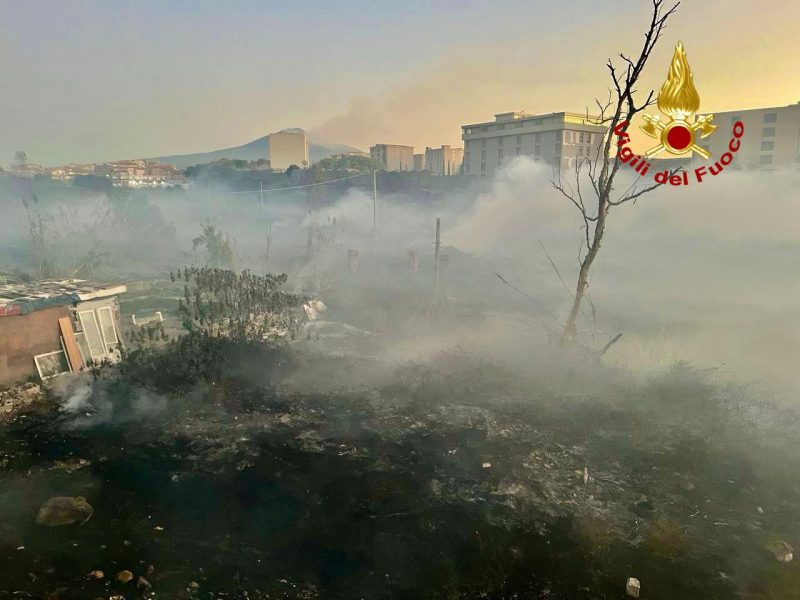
194 586
487 465
632 587
64 510
585 475
124 576
782 551
158 528
71 465
96 574
144 584
760 510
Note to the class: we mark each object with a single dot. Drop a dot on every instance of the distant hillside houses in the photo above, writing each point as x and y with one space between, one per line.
136 173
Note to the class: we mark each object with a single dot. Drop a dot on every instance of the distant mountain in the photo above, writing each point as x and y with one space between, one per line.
252 151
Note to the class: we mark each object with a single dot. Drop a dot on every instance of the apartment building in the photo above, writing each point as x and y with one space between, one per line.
419 162
444 160
771 137
557 139
393 157
287 148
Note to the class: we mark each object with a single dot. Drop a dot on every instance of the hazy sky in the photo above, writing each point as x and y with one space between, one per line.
101 80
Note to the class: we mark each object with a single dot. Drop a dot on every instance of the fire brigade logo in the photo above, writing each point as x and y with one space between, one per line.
679 100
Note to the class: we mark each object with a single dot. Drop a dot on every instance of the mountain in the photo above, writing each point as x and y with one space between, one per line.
252 151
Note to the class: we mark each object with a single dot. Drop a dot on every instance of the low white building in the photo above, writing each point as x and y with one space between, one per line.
557 139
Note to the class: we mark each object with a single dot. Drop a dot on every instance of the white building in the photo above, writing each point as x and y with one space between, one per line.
444 160
557 139
771 137
393 157
287 148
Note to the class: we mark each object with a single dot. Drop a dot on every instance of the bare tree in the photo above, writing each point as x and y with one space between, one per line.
617 112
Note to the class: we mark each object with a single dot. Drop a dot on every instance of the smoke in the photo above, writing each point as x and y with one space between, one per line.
703 273
87 403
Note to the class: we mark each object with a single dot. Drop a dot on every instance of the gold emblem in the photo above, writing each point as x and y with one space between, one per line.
679 100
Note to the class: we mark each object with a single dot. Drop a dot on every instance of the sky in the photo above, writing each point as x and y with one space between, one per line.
90 80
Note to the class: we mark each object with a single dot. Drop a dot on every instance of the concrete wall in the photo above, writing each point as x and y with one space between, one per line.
24 336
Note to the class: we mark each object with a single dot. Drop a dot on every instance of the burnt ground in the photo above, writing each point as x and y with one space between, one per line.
453 479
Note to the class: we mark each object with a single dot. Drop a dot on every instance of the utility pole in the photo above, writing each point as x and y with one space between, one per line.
438 245
375 205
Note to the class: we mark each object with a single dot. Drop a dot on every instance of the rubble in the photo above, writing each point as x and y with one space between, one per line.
782 551
64 510
17 399
124 576
633 587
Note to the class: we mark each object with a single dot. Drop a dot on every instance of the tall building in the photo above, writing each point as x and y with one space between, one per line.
558 139
287 148
419 162
444 160
771 137
393 157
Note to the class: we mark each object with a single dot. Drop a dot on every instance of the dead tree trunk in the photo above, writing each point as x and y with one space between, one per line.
601 170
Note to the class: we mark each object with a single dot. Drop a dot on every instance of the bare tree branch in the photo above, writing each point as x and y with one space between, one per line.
601 170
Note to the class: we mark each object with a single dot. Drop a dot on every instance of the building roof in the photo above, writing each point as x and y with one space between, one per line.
23 298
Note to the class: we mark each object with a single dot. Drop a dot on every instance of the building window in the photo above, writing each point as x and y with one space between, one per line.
500 142
580 150
537 150
768 132
767 146
483 167
766 159
557 150
580 140
519 140
483 143
770 117
499 155
518 124
483 154
519 151
501 126
537 137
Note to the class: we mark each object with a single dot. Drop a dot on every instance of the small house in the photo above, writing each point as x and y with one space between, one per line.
48 328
